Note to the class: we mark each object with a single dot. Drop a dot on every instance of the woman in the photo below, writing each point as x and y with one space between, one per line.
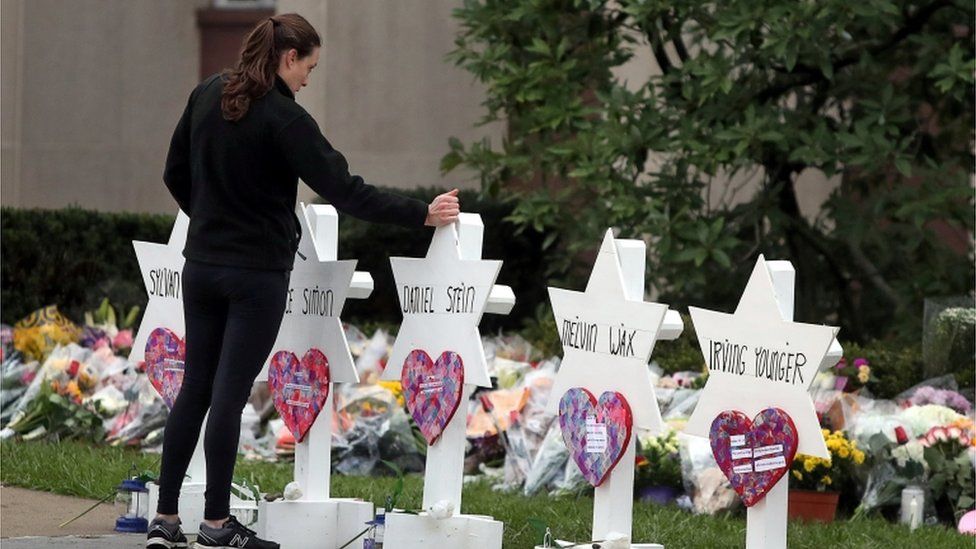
233 166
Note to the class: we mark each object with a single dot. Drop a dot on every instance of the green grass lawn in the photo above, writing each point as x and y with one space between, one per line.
92 472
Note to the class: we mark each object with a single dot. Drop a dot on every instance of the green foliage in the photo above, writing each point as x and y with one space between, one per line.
374 244
73 258
540 330
876 94
658 462
77 259
682 354
895 368
949 345
56 416
106 315
951 481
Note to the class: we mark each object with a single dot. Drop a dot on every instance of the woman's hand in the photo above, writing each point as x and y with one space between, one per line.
443 210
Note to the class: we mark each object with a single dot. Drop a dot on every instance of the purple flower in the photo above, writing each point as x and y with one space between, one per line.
941 397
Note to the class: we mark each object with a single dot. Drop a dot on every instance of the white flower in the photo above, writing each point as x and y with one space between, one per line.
919 419
293 491
442 509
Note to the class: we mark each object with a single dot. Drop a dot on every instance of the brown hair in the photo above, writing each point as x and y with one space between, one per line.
255 72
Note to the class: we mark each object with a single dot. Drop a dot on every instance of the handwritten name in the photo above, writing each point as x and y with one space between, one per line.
772 364
164 282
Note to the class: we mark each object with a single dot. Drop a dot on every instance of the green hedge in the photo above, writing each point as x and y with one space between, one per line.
74 258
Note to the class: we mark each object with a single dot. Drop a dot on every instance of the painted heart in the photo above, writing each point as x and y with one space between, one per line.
299 388
753 454
596 433
432 390
165 353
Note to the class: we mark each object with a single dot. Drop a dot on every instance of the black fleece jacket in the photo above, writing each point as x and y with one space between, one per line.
238 181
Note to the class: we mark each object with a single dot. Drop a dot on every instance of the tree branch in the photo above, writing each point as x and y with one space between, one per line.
812 75
676 39
660 55
873 275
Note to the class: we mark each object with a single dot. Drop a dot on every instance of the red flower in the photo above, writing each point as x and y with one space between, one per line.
73 368
901 435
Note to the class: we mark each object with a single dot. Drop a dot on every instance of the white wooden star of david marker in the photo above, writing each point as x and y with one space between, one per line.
607 339
317 292
161 266
442 298
757 359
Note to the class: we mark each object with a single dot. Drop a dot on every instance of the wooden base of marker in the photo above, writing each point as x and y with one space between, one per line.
314 524
191 504
405 531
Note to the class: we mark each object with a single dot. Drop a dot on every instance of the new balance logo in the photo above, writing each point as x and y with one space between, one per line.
238 541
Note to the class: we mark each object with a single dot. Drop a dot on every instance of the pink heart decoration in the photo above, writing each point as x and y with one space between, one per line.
299 388
432 390
596 433
165 353
754 454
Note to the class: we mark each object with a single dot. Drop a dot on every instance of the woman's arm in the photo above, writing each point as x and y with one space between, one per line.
176 175
326 171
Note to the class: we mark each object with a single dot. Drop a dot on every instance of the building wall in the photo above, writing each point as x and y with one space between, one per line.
91 92
383 93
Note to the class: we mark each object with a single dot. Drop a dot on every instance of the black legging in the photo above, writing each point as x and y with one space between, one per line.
232 320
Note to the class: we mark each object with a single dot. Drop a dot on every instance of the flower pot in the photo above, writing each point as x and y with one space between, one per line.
661 495
811 505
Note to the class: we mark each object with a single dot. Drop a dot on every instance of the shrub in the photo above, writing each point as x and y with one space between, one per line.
74 258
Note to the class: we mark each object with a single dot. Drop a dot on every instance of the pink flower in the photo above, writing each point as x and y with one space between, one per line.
858 362
100 343
841 364
123 340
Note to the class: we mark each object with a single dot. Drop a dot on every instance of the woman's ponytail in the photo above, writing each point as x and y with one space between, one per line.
255 72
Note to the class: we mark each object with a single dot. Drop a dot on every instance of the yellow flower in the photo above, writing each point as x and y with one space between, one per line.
863 374
798 475
808 465
394 387
858 457
844 453
827 480
826 432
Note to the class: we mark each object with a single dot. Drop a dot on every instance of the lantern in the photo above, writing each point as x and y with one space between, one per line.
132 504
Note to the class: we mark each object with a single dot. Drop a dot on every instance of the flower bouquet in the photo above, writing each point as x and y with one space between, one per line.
657 475
852 376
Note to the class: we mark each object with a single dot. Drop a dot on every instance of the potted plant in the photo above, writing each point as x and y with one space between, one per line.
657 475
815 483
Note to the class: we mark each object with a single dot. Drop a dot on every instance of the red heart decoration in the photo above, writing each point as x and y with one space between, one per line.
432 390
165 354
299 388
596 433
754 454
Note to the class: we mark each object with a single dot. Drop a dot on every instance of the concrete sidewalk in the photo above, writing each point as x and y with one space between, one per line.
127 541
29 520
